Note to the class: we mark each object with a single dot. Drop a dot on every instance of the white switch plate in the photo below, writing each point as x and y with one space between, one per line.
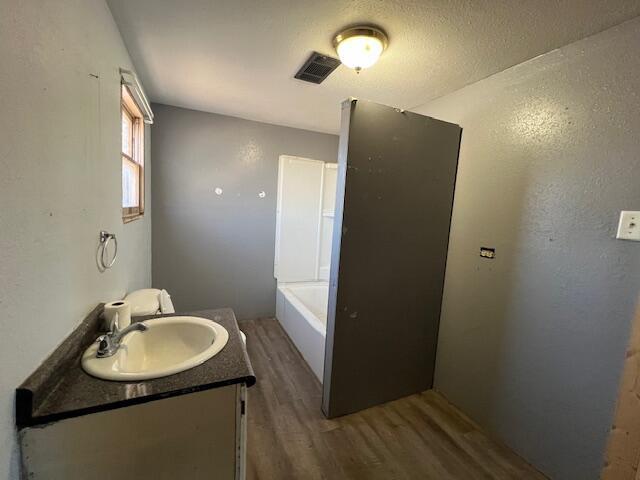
629 226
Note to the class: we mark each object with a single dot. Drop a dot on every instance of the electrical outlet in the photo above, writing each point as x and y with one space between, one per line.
629 226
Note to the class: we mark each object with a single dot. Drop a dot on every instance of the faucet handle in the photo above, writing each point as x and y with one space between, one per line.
113 328
105 346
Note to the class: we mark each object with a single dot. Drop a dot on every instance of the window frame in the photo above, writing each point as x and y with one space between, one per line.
129 106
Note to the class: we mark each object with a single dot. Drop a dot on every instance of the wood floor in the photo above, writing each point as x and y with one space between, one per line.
418 437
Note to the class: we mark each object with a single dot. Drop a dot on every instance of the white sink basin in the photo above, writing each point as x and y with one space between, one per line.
169 345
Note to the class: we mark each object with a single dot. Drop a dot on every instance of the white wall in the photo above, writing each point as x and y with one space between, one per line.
531 344
60 183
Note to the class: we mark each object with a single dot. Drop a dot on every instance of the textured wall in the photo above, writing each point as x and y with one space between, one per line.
60 184
532 343
214 250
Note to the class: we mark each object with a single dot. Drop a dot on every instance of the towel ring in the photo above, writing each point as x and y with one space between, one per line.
105 238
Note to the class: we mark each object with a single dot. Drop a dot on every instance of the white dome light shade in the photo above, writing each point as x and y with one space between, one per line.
360 47
360 51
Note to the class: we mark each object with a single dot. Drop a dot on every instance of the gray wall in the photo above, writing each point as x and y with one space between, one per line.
217 250
532 343
60 183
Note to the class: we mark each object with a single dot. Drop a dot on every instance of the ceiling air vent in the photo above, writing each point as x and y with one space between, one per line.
317 68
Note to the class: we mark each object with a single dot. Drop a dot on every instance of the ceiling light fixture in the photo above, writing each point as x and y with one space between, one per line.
360 47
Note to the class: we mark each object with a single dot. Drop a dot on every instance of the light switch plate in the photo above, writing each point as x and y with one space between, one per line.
629 226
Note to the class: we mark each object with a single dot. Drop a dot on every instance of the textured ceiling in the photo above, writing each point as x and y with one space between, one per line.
238 57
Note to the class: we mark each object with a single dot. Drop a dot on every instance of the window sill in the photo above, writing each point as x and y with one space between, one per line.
132 218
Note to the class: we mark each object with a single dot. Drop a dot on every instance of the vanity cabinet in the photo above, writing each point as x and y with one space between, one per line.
192 436
190 425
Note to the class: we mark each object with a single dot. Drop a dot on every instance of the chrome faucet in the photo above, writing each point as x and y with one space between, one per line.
109 343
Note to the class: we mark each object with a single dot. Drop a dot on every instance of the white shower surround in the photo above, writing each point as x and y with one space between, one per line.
301 308
304 231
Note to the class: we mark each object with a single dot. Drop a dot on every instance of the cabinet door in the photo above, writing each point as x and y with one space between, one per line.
189 436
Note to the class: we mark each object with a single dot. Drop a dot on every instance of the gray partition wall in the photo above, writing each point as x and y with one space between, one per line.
395 191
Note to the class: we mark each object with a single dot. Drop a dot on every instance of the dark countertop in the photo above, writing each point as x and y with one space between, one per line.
60 388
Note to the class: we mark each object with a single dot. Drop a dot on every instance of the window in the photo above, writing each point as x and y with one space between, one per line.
132 158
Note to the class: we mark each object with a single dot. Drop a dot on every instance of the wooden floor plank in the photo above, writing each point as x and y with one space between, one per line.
421 437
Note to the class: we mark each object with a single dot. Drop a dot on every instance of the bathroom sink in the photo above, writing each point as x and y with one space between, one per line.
169 345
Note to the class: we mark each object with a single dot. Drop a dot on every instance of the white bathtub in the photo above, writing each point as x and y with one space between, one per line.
301 309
